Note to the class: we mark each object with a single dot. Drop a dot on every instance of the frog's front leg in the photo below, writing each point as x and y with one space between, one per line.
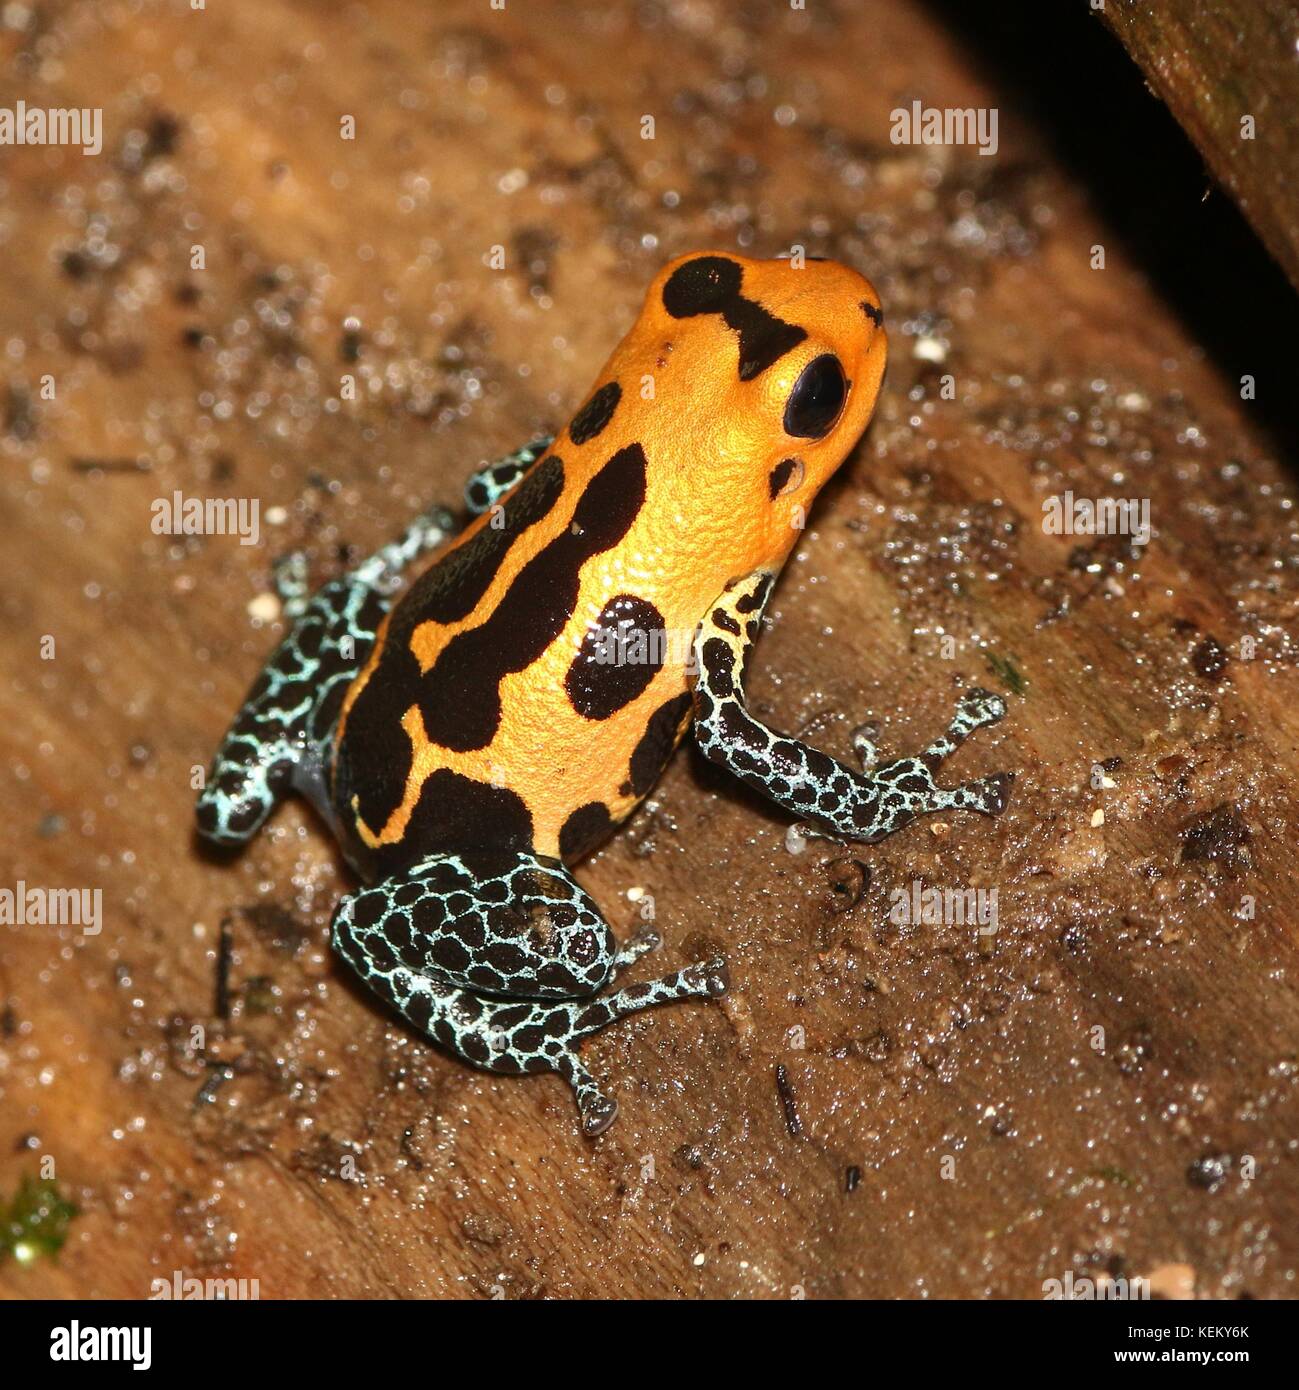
486 487
500 958
864 806
275 739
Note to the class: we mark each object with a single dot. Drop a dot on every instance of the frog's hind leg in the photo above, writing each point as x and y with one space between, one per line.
501 959
644 940
553 1038
274 741
533 1035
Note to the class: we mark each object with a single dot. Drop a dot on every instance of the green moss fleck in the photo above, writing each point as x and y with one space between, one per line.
1007 673
35 1222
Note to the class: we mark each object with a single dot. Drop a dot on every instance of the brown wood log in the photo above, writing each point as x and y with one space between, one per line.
1104 1085
1227 73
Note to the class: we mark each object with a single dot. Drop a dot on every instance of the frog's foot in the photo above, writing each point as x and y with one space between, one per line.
906 786
597 1110
905 789
976 709
706 980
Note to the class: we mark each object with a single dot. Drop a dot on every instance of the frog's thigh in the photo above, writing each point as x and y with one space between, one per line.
507 924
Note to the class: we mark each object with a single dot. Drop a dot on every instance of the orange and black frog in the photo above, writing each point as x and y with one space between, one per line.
472 739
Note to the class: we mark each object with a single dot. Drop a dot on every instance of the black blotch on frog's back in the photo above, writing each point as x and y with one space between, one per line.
460 695
453 813
591 420
656 744
598 686
374 754
451 590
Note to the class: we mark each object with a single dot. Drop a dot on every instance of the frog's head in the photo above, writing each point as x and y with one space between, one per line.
756 378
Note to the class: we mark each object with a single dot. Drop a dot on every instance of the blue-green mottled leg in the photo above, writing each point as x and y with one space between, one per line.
864 806
597 1109
500 958
274 742
508 924
486 487
641 943
863 742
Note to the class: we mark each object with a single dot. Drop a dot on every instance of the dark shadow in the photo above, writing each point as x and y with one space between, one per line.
1070 78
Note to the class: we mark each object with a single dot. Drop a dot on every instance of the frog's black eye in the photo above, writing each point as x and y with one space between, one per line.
817 398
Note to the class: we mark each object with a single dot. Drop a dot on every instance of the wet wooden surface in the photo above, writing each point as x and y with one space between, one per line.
1106 1085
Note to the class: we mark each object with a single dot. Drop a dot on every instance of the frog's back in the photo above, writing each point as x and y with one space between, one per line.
488 715
528 689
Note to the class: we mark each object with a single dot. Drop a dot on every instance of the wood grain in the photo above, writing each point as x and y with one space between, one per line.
1106 1085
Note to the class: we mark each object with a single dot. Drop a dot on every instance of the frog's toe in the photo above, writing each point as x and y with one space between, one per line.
978 708
598 1111
640 943
989 795
863 742
713 977
289 573
645 938
599 1116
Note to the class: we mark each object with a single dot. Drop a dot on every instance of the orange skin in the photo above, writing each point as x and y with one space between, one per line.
711 441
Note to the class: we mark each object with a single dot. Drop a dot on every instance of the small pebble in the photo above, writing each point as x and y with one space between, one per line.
264 608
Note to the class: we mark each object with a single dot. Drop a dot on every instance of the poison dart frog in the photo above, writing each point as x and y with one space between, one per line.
471 740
